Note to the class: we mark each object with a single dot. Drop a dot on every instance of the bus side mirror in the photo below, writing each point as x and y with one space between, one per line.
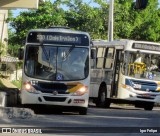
93 54
121 57
20 53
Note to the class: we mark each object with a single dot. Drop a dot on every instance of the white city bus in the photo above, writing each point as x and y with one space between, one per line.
125 71
56 68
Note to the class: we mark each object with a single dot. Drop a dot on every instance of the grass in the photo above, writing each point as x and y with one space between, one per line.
17 83
4 83
2 86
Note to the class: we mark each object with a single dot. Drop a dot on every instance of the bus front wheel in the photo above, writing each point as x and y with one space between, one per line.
82 111
149 106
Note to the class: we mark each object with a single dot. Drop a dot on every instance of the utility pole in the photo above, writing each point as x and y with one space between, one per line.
140 4
110 20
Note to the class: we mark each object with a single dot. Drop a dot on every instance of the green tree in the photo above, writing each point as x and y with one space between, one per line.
136 24
128 22
123 18
48 14
82 16
147 23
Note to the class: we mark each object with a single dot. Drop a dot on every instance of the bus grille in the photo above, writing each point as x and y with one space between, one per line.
49 88
148 86
144 83
142 97
55 99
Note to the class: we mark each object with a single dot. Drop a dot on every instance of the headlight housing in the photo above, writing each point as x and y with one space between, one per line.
29 88
81 91
129 88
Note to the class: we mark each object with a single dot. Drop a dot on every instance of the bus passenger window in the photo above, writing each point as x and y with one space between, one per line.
100 57
93 58
109 58
100 62
101 52
108 63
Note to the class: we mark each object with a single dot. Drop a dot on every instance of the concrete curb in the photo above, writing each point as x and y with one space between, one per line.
14 112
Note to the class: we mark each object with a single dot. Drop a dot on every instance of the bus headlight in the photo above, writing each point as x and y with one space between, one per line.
81 91
28 87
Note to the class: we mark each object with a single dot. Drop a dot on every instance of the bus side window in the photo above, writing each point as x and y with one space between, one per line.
100 57
109 58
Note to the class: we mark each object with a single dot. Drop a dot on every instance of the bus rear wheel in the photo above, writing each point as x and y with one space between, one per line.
102 101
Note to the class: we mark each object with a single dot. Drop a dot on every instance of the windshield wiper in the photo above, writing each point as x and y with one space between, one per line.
44 51
46 54
68 52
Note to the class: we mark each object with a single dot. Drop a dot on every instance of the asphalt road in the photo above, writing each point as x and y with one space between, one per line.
116 121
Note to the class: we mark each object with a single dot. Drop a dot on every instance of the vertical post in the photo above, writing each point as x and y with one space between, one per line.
3 19
110 20
2 33
3 99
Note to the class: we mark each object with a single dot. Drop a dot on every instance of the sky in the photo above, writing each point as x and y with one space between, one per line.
16 12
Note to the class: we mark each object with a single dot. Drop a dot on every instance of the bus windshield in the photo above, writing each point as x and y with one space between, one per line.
142 65
57 62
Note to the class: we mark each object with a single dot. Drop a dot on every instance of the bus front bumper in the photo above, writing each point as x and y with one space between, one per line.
50 99
139 96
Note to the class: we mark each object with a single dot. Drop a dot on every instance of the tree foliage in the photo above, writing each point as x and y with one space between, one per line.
123 18
77 14
47 15
136 24
147 23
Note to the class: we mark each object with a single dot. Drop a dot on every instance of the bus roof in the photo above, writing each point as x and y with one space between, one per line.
104 43
59 29
120 42
126 44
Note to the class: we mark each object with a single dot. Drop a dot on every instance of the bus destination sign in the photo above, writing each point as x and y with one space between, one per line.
144 46
59 38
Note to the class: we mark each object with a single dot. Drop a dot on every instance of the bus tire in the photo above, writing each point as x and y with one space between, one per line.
107 103
82 111
149 106
102 101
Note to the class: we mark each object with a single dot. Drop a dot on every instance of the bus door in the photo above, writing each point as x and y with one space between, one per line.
109 69
116 71
97 70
